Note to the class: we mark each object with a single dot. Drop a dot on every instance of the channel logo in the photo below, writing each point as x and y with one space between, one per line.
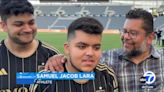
147 80
150 77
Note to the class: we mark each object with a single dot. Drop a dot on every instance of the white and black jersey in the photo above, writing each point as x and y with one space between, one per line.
11 64
105 81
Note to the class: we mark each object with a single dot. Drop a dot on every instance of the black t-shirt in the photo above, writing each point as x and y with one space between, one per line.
11 64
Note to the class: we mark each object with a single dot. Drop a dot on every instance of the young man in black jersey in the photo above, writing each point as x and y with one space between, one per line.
83 51
20 51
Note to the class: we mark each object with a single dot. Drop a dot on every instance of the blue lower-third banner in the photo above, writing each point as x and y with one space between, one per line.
30 77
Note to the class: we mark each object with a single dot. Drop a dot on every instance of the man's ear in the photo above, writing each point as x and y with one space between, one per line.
66 48
151 38
3 26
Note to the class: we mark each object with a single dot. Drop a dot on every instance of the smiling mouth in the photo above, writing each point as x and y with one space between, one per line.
128 43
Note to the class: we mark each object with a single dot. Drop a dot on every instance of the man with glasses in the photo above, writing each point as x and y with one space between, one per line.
138 65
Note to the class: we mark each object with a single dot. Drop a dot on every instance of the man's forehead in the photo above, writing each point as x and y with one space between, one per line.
134 20
21 17
86 43
133 24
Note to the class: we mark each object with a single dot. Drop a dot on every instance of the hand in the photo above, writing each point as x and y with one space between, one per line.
55 63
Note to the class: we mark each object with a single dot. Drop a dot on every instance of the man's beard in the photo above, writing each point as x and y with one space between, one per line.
133 53
136 51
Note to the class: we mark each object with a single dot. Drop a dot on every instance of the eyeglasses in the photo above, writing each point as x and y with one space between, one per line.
133 34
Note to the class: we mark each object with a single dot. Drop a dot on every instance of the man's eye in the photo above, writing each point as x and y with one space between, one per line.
97 47
133 33
18 25
32 23
81 46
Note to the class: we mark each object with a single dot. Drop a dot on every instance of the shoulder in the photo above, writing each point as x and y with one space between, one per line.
161 50
48 47
158 52
110 57
161 53
104 68
107 71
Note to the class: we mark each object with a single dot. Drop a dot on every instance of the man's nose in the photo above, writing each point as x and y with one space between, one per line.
90 51
27 28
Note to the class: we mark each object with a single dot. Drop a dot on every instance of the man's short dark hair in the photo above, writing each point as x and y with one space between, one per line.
147 17
14 7
86 24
